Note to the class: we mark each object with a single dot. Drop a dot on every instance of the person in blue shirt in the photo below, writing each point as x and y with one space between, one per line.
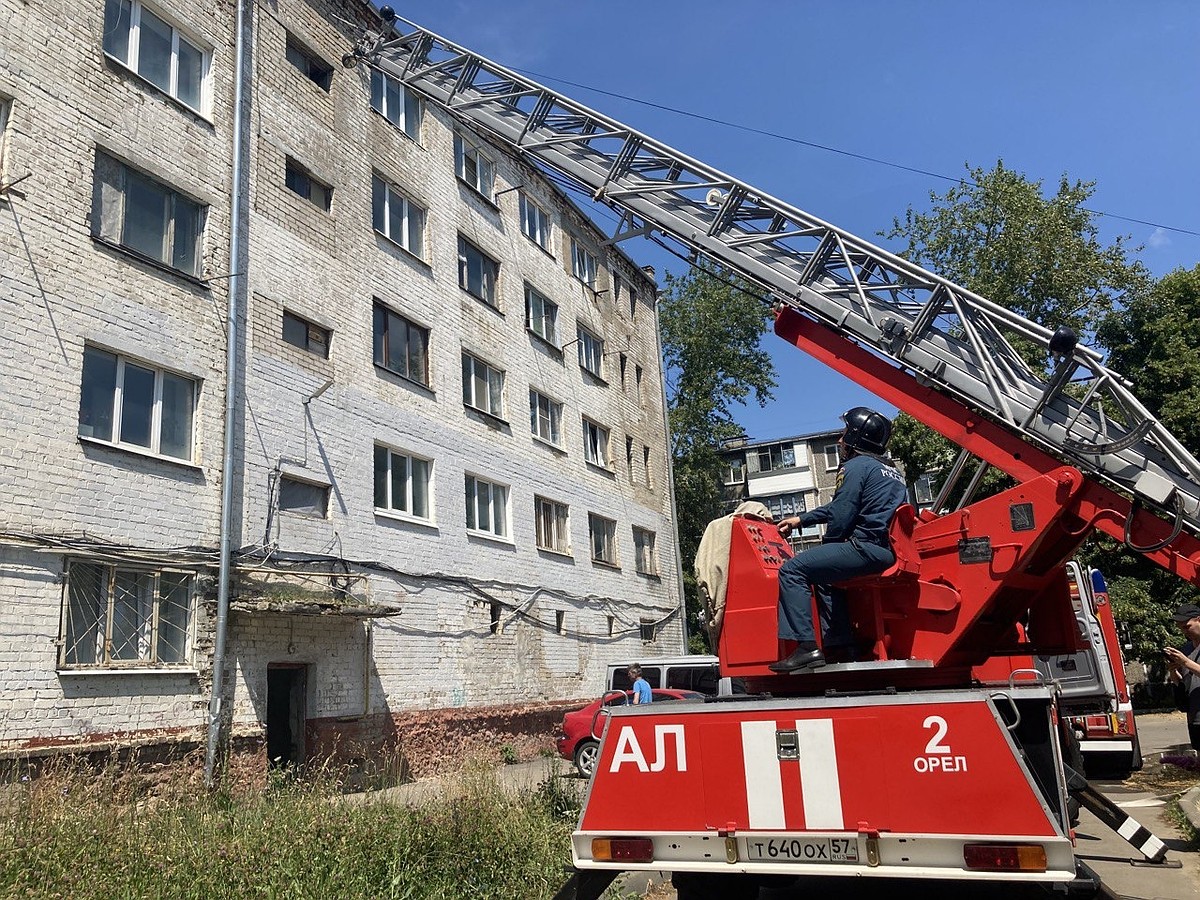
641 687
869 491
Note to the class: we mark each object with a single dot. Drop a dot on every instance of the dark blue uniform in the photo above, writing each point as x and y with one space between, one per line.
856 521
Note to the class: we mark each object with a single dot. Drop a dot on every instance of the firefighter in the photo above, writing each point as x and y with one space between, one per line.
869 491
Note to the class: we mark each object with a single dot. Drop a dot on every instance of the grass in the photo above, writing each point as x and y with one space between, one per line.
86 836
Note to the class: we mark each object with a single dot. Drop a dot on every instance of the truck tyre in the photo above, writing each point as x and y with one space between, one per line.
707 886
586 753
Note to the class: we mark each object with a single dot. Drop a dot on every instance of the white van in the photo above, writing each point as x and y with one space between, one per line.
688 673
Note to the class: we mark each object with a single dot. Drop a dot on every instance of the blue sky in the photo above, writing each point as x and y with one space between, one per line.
1102 91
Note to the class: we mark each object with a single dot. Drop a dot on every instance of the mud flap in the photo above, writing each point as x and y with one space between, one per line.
586 884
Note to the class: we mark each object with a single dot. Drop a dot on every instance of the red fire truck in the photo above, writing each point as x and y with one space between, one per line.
905 763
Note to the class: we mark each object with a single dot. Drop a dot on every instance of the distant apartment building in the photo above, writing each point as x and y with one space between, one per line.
789 475
450 483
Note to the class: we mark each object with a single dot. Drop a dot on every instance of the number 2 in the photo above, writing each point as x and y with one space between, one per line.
940 727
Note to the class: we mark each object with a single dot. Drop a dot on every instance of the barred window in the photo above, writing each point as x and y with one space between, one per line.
116 616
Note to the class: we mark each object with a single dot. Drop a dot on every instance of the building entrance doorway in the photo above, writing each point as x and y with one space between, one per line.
286 713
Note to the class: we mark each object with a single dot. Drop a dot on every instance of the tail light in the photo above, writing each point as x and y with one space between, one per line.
1005 857
623 850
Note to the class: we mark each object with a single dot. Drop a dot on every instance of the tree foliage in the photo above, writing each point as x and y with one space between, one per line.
712 326
997 235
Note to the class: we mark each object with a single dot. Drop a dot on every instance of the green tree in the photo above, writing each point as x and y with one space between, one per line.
997 234
712 327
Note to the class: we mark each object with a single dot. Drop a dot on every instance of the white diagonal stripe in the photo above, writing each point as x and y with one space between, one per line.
1128 828
764 780
819 783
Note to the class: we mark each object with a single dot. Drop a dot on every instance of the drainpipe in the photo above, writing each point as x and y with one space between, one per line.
239 227
662 382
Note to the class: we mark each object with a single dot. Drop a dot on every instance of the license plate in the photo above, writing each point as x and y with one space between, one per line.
803 850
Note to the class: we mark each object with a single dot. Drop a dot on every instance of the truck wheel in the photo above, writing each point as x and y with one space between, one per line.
585 757
706 886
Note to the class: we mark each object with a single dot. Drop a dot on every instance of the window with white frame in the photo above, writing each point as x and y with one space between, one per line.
643 551
154 49
129 403
784 506
477 272
396 103
603 534
535 223
309 63
473 167
141 215
125 616
832 458
595 443
583 263
397 218
541 315
552 525
735 470
402 483
591 351
306 335
545 418
483 386
305 498
304 184
487 507
401 346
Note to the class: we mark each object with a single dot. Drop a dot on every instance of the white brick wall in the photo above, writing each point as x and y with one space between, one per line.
60 289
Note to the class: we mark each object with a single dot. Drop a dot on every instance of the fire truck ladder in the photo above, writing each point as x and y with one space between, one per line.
957 343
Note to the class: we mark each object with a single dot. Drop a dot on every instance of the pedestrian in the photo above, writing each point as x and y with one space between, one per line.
868 493
1184 667
641 687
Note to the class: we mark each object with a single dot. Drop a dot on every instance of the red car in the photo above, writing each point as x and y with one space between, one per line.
578 743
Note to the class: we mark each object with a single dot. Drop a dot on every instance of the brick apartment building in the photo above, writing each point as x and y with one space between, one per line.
413 555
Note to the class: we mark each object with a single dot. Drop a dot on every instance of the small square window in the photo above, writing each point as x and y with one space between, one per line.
648 630
301 182
403 483
309 63
306 335
303 497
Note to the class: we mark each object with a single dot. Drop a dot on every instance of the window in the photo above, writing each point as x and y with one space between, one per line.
402 483
396 103
5 113
306 498
401 346
483 386
314 68
487 507
583 264
145 217
784 505
473 167
735 471
131 404
646 464
591 351
155 50
299 181
637 382
477 272
832 460
552 524
116 616
603 534
541 315
560 621
306 335
643 551
775 456
629 458
624 360
535 223
545 418
595 444
647 629
397 218
923 490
